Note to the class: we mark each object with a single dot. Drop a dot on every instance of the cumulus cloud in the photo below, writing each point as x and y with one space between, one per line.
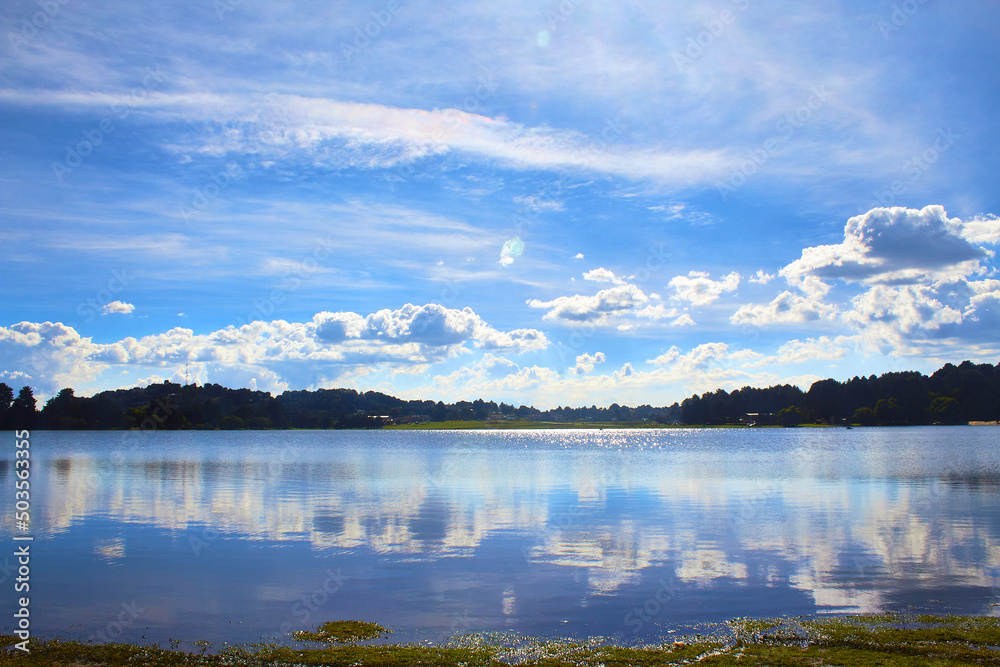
578 255
585 363
762 277
704 368
695 361
700 290
117 307
602 275
53 355
599 308
898 245
624 305
787 307
982 230
812 349
920 283
493 376
953 318
274 354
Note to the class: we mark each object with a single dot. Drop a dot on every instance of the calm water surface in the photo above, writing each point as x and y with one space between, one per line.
234 536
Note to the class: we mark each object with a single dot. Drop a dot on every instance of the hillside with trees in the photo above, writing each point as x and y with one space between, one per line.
952 395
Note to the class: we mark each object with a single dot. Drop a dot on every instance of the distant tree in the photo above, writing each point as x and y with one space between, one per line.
888 411
863 416
946 410
790 416
22 410
61 411
6 398
231 423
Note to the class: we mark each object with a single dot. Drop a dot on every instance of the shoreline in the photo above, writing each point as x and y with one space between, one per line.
890 640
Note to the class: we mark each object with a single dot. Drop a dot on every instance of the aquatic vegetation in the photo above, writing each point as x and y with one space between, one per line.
341 632
889 640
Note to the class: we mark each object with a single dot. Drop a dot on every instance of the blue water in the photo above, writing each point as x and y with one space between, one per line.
235 536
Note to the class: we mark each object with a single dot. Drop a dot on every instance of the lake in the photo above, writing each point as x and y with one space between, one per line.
627 534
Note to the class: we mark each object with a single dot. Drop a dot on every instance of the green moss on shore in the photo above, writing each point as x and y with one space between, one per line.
859 641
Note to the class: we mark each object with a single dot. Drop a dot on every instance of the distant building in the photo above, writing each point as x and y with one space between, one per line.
414 419
758 419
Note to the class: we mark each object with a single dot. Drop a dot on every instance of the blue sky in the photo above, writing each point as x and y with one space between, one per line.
544 203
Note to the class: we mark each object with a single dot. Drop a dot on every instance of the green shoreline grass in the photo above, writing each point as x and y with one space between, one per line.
856 641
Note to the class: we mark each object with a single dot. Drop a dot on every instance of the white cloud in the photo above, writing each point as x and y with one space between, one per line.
275 354
52 354
982 230
683 321
119 307
602 275
953 317
812 349
585 363
341 134
538 204
700 290
704 368
578 255
787 307
600 308
897 245
696 361
762 277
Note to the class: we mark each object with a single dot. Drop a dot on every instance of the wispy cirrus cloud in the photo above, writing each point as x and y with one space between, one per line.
342 133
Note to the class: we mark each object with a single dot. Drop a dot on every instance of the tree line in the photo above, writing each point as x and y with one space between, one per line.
952 395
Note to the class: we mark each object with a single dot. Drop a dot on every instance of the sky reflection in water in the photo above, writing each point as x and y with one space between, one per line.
627 534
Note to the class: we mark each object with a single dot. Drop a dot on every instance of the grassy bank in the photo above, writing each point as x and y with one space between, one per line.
862 641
